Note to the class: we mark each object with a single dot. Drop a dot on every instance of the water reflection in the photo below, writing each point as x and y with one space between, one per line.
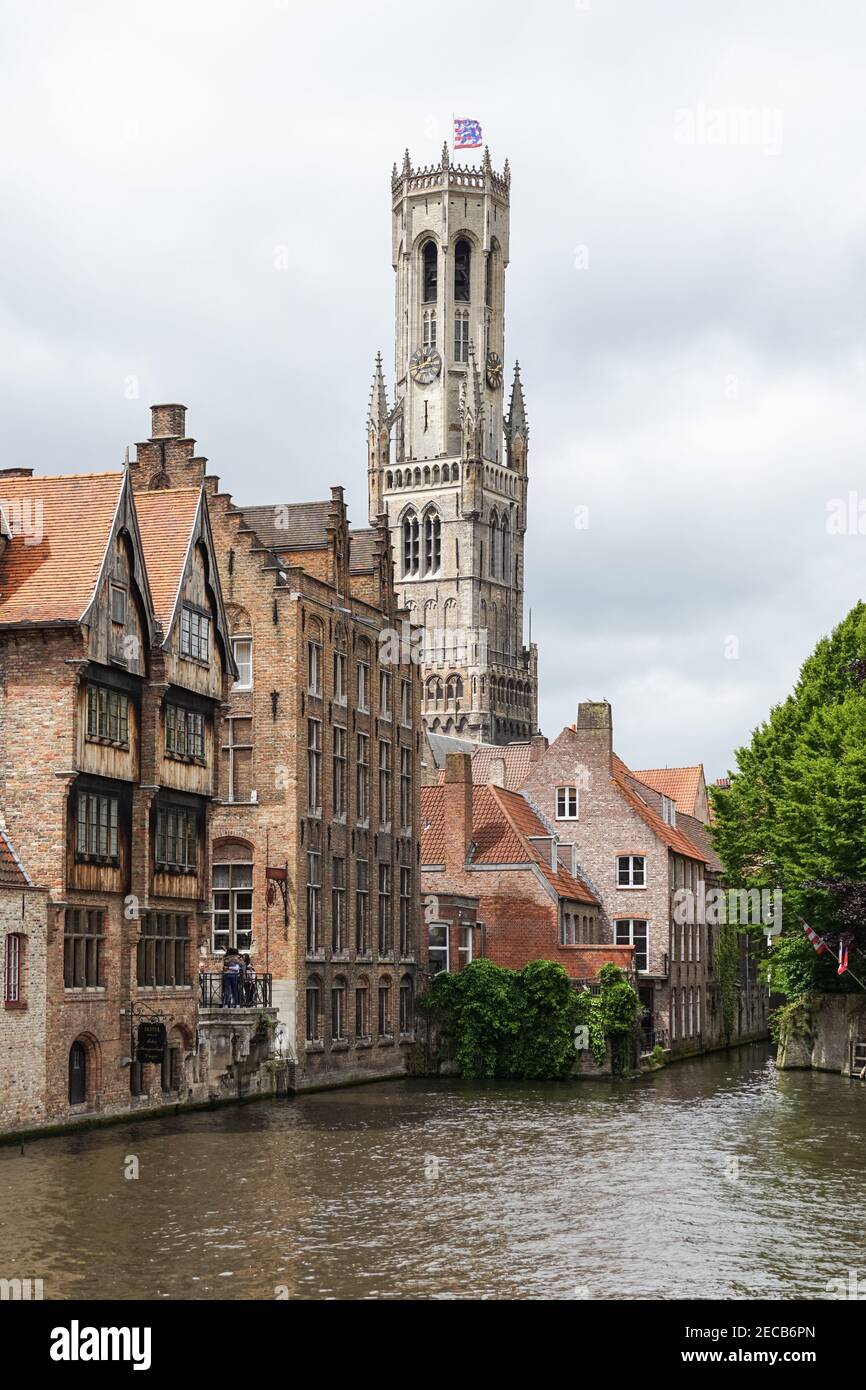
717 1178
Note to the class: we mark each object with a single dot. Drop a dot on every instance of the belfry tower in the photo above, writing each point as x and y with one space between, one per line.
445 462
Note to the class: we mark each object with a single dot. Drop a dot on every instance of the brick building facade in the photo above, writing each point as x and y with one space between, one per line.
315 837
486 844
114 660
23 946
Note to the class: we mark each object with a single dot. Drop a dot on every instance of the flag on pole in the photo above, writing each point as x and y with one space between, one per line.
817 941
467 134
844 943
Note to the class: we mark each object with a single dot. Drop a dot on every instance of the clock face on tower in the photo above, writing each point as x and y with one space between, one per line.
425 365
494 371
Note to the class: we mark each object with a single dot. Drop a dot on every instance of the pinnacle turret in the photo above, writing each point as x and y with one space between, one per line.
517 423
377 415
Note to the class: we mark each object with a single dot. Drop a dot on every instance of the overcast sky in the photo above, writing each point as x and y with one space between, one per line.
685 294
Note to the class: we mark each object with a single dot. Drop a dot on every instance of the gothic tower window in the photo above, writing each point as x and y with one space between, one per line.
429 259
432 543
462 258
494 545
410 544
430 327
461 335
505 543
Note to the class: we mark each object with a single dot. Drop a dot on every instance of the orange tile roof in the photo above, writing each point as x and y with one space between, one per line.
681 784
12 872
502 823
672 837
54 581
165 519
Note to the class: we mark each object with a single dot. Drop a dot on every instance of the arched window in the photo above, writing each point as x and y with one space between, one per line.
698 1010
673 1015
494 545
432 543
389 479
461 335
430 328
429 260
427 476
462 260
683 1013
411 543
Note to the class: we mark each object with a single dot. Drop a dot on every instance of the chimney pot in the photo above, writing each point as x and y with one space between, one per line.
168 421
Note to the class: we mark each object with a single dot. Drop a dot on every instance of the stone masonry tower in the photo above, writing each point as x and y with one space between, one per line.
445 463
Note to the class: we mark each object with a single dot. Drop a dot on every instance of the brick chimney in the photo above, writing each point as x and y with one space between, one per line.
594 736
458 810
168 458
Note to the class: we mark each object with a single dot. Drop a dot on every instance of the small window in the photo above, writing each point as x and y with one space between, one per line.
97 822
631 871
363 687
464 946
406 702
314 668
566 803
669 811
384 694
338 1011
314 1011
117 595
437 948
407 1005
242 650
176 839
107 716
631 932
340 678
385 1009
13 974
195 634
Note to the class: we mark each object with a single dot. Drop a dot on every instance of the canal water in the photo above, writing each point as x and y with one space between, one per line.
716 1178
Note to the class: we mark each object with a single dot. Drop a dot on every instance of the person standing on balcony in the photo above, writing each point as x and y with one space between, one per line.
232 969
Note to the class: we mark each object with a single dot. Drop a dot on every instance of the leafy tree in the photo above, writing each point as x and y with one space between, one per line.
795 812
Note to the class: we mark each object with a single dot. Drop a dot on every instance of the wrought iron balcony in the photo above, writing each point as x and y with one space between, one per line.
254 994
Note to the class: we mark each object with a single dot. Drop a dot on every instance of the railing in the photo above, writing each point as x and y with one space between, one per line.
253 993
652 1037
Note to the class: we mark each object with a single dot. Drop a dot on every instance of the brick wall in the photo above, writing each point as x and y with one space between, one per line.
23 913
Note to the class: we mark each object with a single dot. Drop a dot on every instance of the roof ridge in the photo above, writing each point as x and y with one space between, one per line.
56 477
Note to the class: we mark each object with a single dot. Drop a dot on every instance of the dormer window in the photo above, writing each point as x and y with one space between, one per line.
195 634
669 811
117 602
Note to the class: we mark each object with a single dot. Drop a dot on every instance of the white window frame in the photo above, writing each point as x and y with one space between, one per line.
567 794
630 860
438 949
240 683
314 667
630 923
464 952
232 910
340 685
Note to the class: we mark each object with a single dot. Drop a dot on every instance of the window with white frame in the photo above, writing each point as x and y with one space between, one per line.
314 668
232 906
669 811
566 803
631 871
242 651
464 946
437 949
632 931
340 678
384 694
363 687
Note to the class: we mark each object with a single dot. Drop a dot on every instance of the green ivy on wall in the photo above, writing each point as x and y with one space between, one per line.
520 1023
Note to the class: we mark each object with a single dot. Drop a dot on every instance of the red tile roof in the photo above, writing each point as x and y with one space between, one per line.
517 759
166 519
681 784
54 581
12 873
624 779
502 824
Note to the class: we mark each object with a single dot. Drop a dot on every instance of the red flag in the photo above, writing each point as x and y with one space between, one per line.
844 942
817 941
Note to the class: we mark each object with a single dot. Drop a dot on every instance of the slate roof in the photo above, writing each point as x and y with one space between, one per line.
12 871
54 581
295 526
502 822
165 519
362 551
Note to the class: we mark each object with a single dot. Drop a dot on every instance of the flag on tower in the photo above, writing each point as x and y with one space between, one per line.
817 941
467 134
